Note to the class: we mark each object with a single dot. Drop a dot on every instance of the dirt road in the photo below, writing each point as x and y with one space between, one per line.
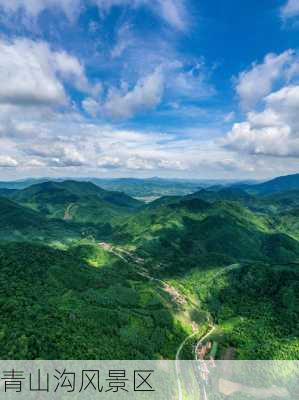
124 255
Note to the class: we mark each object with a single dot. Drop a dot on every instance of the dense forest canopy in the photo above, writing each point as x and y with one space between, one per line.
90 273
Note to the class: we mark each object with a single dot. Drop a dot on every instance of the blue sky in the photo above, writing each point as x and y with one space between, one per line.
175 88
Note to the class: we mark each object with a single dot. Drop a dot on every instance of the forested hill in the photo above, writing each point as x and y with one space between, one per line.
61 192
85 263
280 184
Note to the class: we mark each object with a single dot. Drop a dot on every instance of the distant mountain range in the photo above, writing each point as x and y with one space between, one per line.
279 184
156 187
76 206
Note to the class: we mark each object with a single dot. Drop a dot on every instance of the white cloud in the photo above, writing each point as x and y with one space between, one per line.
33 163
141 163
287 98
270 140
27 76
174 12
252 85
109 163
124 39
91 106
59 154
146 95
170 77
290 9
190 82
33 74
273 131
32 8
229 116
71 69
65 144
7 161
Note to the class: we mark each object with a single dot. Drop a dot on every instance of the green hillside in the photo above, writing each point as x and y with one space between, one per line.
21 223
15 216
80 303
254 308
276 185
81 202
101 270
194 230
225 194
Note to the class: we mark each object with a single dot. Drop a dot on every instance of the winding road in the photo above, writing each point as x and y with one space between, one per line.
177 357
126 256
223 271
129 257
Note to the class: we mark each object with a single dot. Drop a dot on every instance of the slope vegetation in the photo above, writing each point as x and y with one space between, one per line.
93 273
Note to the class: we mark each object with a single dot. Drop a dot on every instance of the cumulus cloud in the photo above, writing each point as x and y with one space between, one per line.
252 85
109 163
33 163
33 74
26 74
59 154
274 131
290 9
146 95
7 161
72 70
66 142
167 78
269 140
68 145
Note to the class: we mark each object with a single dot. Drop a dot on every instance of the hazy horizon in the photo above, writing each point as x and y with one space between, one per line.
170 178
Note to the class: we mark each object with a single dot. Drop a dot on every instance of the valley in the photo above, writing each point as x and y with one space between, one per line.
93 273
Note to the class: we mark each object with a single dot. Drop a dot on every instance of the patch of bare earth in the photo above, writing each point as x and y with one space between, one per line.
68 214
174 294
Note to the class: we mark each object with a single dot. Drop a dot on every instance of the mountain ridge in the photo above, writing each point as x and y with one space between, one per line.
101 264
